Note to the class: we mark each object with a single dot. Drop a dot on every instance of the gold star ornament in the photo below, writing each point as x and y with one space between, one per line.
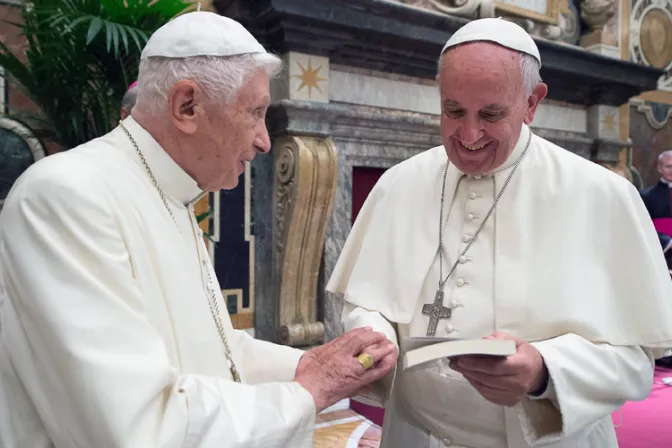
310 77
609 121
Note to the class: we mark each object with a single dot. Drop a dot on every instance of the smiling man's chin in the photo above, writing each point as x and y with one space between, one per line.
473 161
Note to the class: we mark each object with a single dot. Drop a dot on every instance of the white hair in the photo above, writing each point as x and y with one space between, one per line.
664 154
529 70
221 77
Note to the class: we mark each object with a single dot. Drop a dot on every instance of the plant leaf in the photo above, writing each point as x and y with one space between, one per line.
94 29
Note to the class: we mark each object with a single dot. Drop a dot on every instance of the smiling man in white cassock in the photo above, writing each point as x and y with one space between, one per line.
507 231
113 329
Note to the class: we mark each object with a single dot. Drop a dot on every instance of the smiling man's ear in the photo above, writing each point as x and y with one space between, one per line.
538 94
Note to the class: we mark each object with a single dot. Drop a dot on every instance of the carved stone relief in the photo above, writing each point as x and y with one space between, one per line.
305 181
596 13
559 22
651 36
657 115
602 20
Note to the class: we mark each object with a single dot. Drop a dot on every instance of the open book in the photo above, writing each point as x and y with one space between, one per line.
423 350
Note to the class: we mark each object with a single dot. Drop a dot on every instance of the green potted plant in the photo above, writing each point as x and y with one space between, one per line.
80 57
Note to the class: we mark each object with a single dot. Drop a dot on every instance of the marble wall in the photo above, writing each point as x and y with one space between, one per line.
368 137
350 85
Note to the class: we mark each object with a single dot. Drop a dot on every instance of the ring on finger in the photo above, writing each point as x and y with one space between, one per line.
365 360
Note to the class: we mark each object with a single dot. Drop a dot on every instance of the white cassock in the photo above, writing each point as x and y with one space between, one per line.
107 338
568 261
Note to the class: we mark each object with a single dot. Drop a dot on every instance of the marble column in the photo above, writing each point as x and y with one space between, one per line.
293 195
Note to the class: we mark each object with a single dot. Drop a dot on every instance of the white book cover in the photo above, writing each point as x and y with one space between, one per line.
420 351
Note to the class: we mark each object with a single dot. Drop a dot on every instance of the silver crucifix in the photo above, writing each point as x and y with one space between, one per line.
436 311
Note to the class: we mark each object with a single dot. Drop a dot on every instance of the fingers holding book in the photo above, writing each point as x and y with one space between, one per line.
505 380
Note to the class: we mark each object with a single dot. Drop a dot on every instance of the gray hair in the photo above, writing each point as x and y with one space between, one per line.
221 77
664 154
529 69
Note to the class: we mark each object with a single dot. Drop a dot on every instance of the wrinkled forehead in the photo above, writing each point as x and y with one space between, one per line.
480 55
481 91
480 67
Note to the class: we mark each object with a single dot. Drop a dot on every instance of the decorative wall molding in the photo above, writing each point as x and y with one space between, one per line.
397 38
651 37
348 86
305 180
602 18
597 13
657 115
540 11
18 128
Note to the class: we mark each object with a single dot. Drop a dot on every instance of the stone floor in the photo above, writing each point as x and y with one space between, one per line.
340 427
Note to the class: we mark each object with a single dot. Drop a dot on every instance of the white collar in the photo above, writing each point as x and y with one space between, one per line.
513 157
172 179
517 150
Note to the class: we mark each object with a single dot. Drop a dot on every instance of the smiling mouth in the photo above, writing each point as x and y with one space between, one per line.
471 147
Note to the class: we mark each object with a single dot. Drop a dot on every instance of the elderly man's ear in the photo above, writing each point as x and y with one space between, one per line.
186 106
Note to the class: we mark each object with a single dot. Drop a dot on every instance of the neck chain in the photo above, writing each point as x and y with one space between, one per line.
212 298
442 281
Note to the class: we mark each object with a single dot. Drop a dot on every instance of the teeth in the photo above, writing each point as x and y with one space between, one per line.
472 148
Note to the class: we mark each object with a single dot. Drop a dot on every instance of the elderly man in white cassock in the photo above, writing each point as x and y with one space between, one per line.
504 233
114 332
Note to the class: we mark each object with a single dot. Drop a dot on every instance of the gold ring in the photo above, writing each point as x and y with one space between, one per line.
365 360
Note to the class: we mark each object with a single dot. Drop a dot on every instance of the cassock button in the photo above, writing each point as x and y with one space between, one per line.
460 282
477 177
472 195
466 238
446 442
449 328
463 259
453 303
470 216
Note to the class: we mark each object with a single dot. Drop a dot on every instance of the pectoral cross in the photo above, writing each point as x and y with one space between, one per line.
436 311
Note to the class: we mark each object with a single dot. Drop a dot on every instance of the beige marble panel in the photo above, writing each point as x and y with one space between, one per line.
308 77
304 78
357 88
604 122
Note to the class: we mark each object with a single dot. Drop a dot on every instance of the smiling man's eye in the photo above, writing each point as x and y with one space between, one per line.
491 117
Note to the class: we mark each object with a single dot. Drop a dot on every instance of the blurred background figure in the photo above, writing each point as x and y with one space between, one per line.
658 200
128 101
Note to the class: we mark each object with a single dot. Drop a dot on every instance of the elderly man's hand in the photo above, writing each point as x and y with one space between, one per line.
505 380
332 372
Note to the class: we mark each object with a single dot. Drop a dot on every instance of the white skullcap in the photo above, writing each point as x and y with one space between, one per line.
201 33
500 31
